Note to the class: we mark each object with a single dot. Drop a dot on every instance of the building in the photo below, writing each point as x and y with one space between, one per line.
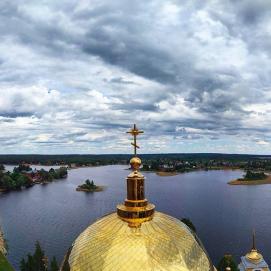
253 261
137 237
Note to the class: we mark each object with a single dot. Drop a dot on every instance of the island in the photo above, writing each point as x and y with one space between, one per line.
252 178
89 186
24 176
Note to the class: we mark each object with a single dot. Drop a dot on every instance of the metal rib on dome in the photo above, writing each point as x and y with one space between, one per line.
136 208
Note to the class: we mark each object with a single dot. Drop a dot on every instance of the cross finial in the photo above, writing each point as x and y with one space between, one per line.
254 240
135 132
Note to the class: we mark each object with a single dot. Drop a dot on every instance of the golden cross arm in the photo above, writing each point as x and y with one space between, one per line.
134 131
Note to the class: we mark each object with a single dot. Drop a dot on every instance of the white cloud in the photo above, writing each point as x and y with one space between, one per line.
74 75
262 142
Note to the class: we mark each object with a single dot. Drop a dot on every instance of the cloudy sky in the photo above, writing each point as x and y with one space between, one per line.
75 74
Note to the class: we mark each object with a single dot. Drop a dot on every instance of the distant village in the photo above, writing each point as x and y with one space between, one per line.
166 165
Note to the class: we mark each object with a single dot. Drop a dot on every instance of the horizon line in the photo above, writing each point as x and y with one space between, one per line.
165 153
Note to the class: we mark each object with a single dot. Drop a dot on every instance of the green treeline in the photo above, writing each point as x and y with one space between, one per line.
250 175
166 164
38 261
52 174
77 159
89 185
14 181
242 160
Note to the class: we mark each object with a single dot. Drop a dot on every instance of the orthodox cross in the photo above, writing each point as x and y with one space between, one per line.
135 132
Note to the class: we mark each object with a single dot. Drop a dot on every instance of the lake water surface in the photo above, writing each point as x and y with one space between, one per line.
55 214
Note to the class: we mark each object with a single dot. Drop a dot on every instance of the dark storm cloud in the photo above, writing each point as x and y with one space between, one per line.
12 115
142 61
248 20
119 80
6 119
252 12
132 106
114 38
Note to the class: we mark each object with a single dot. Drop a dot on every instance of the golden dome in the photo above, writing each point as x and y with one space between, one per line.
254 256
163 243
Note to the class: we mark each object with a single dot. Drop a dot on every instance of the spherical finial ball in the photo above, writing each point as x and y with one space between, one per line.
135 163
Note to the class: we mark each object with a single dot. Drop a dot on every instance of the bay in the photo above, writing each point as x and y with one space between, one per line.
56 213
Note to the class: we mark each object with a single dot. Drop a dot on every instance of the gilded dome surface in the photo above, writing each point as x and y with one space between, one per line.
163 243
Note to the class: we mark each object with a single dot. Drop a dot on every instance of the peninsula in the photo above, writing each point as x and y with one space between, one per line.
252 178
24 177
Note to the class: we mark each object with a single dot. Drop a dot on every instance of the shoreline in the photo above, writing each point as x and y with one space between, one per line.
99 188
167 174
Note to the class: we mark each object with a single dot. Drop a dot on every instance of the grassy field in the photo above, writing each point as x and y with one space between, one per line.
4 264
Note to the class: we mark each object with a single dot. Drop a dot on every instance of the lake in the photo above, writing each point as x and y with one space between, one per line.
55 213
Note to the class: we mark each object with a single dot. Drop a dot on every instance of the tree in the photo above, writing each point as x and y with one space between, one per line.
39 257
62 172
7 182
45 176
22 167
23 265
227 261
30 266
255 175
35 262
189 223
54 265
